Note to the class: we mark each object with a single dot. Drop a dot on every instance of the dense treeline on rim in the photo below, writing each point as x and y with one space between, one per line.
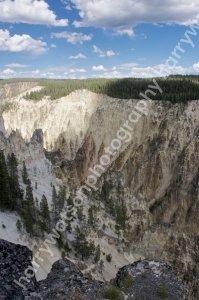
176 88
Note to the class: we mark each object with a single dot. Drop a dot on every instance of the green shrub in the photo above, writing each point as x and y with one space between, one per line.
60 242
128 281
63 254
112 293
109 258
18 225
162 292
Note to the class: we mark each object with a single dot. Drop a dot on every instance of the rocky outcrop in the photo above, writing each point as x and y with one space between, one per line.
141 280
14 260
32 153
151 277
13 89
66 282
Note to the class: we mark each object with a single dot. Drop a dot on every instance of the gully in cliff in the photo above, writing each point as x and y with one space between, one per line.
123 135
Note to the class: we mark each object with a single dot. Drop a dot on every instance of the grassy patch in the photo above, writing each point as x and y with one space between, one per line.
162 292
128 281
112 293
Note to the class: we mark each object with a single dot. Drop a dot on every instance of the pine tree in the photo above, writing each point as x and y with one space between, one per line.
12 165
29 212
5 193
29 195
16 192
90 216
79 242
111 207
36 208
97 254
36 203
27 218
54 204
60 242
121 216
101 265
44 208
81 245
61 198
24 173
18 225
91 248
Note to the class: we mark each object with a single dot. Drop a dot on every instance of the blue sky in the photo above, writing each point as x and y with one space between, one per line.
97 38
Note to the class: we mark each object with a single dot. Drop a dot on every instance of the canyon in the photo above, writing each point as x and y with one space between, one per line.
154 176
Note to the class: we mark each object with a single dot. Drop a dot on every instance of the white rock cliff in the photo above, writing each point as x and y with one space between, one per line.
155 174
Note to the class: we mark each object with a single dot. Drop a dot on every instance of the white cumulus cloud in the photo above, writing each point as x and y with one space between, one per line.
99 68
196 67
8 72
157 71
123 16
72 37
103 53
131 70
30 12
129 32
18 43
78 56
53 46
128 70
